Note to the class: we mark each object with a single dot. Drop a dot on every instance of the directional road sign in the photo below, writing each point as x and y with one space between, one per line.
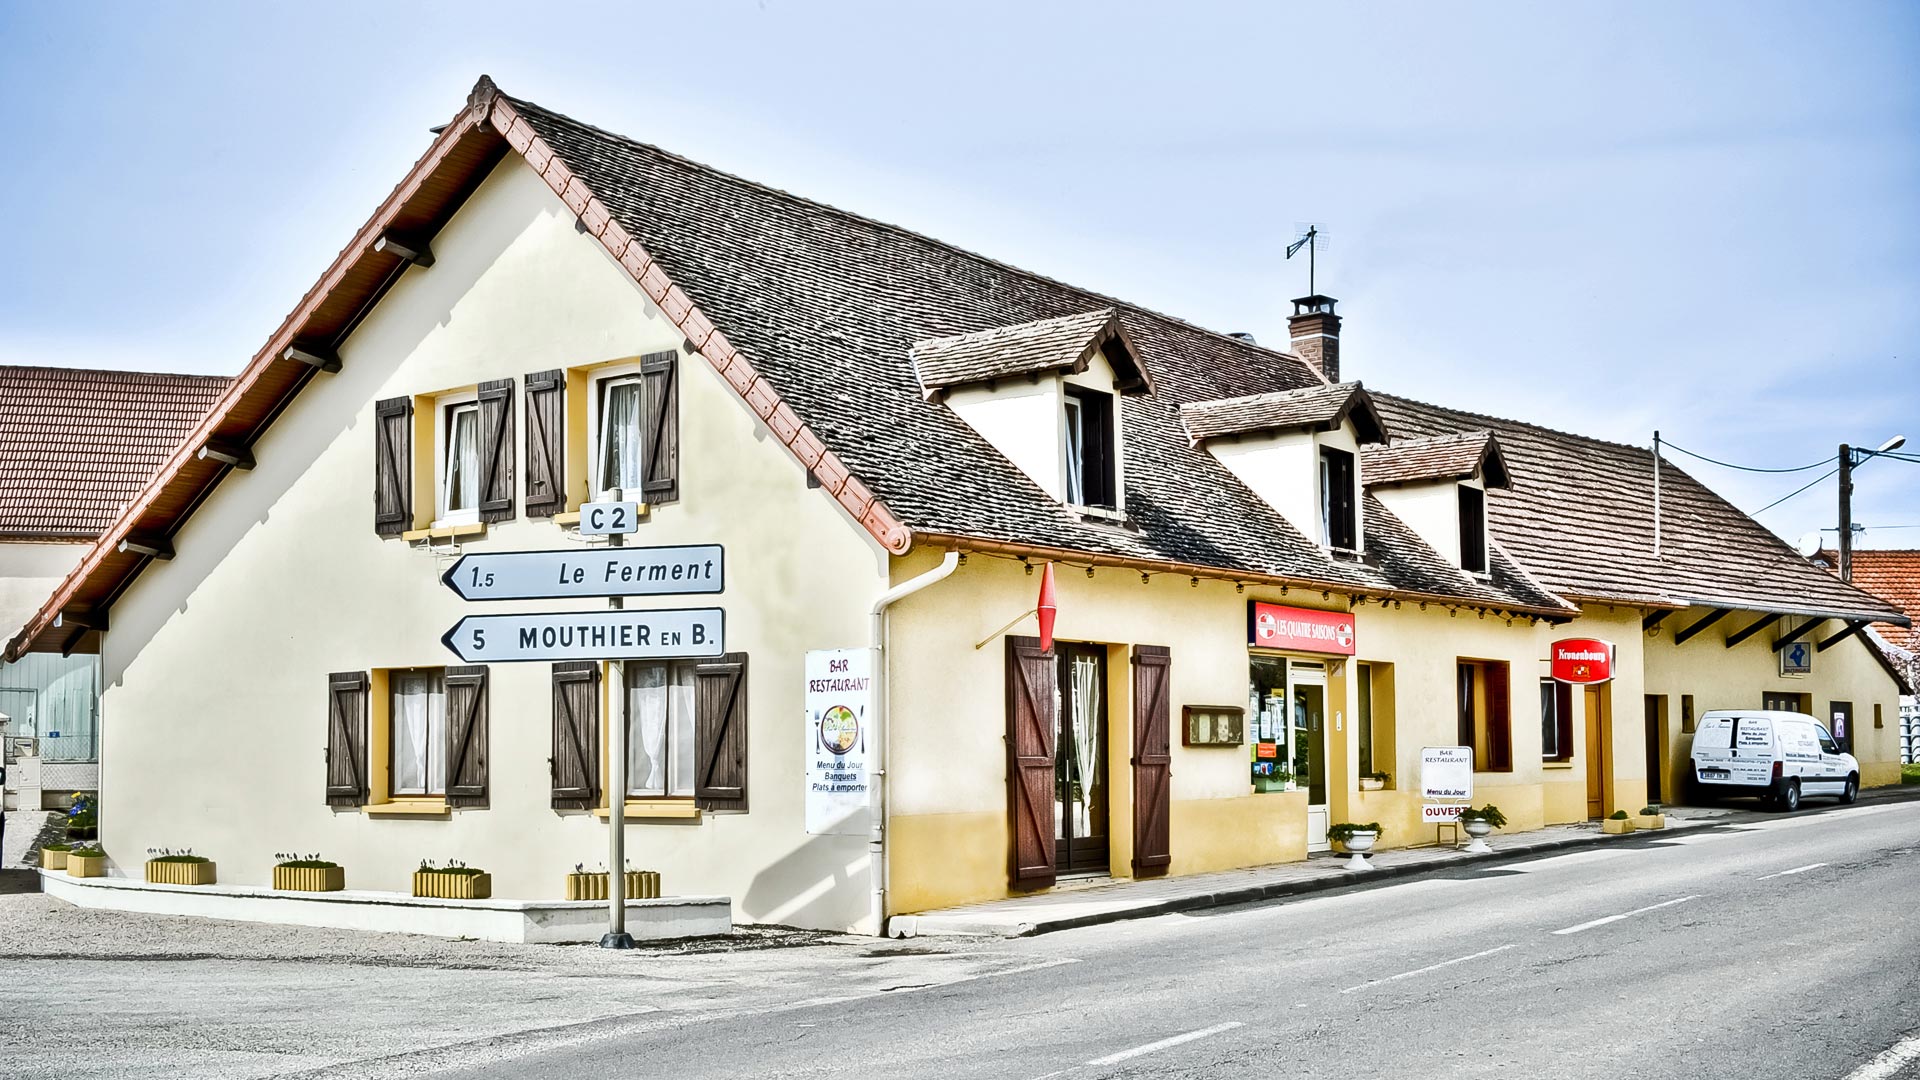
588 572
589 635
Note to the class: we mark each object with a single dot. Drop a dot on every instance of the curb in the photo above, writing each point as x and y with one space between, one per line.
907 926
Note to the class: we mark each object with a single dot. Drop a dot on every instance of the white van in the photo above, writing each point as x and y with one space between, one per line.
1778 756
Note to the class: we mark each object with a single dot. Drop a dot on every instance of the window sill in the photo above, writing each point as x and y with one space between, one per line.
655 809
571 517
1556 764
446 532
408 808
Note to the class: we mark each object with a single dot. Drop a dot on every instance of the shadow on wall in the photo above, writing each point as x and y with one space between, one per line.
815 874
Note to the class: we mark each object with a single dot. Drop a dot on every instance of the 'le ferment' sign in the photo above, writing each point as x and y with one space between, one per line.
1582 660
1273 626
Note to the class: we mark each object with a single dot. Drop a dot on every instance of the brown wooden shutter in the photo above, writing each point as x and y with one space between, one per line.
660 428
1152 759
496 450
347 738
1033 723
576 735
393 466
720 733
467 736
1499 719
546 446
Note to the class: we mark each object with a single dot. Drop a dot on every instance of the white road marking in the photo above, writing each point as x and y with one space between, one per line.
1889 1061
1176 1040
1625 915
1429 967
1795 870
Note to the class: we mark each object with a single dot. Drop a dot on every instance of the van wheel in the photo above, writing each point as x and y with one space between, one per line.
1851 792
1789 798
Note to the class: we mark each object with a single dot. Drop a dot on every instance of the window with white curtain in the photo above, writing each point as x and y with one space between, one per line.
418 734
660 709
457 459
617 453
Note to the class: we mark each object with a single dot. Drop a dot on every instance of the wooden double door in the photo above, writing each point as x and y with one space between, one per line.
1060 790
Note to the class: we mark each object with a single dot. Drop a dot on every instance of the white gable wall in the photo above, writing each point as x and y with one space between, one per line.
217 662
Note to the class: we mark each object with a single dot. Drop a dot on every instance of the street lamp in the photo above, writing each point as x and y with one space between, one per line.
1849 459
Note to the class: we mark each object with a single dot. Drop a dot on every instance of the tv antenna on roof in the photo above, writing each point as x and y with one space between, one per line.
1311 238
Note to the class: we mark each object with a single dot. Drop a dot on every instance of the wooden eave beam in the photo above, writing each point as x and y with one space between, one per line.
1654 620
1753 628
1852 629
152 545
417 253
1794 635
1707 620
312 354
72 641
227 451
89 618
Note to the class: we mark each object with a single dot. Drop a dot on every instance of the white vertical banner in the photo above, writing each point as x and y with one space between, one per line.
839 703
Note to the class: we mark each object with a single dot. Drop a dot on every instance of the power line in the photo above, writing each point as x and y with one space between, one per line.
1743 468
1794 492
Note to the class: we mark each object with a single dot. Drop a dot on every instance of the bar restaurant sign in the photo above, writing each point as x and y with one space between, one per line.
1581 661
839 705
1273 626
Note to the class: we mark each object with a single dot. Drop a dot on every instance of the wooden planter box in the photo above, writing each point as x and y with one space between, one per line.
52 860
1616 826
444 886
310 878
641 885
84 866
179 873
1367 783
1649 821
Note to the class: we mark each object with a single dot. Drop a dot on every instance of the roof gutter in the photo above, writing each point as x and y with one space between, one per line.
1893 617
1216 573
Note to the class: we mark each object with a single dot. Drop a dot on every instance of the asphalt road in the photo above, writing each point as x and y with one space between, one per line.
1783 947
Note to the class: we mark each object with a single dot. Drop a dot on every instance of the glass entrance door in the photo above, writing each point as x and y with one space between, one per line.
1080 761
1309 747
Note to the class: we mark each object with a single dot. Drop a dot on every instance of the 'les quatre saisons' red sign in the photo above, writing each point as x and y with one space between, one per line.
1272 626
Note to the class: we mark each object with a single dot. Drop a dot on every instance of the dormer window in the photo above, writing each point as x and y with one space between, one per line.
1339 500
1090 451
1473 529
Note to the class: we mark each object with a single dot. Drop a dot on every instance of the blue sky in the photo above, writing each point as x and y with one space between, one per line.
1602 217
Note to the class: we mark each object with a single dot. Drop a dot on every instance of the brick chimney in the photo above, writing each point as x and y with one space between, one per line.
1316 334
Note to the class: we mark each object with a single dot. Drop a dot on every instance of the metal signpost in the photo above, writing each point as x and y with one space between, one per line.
614 635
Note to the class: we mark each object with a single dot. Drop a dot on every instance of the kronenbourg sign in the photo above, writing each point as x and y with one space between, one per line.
588 573
1581 660
839 704
683 633
1446 773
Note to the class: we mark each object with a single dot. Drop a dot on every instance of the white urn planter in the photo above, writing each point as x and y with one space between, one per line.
1478 831
1360 843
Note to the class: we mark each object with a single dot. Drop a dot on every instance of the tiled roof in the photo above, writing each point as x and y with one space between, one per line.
1436 457
828 306
1047 345
1323 407
1579 517
1893 576
76 445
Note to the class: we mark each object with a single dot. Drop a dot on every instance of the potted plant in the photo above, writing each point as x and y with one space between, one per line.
454 881
87 861
1376 781
1477 822
584 884
54 856
1650 817
83 817
1280 779
307 873
1616 823
1357 839
168 867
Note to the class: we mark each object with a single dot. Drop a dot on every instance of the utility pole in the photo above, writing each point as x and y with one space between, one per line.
1846 512
1656 494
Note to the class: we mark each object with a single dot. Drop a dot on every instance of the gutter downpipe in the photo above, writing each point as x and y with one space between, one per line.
878 632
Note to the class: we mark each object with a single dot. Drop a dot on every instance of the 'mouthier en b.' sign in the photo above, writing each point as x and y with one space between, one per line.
589 635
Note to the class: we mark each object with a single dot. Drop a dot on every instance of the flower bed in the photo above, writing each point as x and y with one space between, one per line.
180 868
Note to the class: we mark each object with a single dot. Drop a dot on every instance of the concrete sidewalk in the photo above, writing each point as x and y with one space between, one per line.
1068 906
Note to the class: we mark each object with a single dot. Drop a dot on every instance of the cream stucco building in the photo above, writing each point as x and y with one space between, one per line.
1273 588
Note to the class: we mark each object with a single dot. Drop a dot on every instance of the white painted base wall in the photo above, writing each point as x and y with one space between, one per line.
550 922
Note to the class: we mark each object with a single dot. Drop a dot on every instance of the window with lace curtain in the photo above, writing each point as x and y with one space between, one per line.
456 458
418 735
618 448
660 730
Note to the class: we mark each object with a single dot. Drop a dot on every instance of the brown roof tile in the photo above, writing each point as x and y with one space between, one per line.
1893 576
1047 345
76 445
1320 407
1436 457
